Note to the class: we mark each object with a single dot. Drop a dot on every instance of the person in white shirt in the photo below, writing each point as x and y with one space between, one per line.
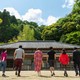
19 55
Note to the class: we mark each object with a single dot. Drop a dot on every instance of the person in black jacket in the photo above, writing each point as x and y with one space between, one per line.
76 61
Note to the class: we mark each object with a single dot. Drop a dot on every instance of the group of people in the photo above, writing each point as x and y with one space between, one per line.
19 56
63 59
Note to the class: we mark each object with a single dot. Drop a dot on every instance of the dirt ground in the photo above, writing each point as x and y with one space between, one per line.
32 75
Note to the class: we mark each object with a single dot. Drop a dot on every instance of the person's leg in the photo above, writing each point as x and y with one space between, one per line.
19 66
79 68
39 73
52 67
75 67
65 71
4 68
0 65
16 66
39 68
52 71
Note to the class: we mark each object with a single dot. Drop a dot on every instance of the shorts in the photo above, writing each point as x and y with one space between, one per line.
51 63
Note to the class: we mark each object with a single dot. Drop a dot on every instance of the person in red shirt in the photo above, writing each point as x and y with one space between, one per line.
64 60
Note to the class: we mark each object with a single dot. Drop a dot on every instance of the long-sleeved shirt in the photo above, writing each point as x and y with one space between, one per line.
76 56
3 56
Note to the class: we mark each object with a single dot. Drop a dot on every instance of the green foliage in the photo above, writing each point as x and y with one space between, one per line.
73 38
7 29
69 27
1 20
76 7
78 27
52 32
13 29
26 34
33 24
66 29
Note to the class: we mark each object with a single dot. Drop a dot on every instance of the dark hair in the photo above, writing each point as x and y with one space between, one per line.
50 47
4 49
64 52
75 48
20 46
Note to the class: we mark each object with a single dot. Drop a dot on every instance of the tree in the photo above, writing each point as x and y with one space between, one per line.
52 32
69 27
7 30
26 34
1 20
72 38
76 7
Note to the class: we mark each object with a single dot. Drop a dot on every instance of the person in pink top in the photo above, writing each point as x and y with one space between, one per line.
3 61
38 61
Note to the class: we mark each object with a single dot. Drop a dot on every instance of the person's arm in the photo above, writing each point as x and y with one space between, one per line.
47 57
73 57
54 56
23 55
59 58
68 59
14 55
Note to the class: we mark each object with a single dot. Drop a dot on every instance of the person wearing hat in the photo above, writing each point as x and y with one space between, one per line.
76 61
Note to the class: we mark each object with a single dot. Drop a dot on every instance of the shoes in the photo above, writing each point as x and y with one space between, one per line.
76 74
65 74
16 73
3 75
53 74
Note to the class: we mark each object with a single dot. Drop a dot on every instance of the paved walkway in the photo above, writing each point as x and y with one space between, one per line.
32 75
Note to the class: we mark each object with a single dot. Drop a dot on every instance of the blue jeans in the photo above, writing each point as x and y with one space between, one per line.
3 66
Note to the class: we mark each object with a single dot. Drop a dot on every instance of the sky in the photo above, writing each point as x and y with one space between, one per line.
43 12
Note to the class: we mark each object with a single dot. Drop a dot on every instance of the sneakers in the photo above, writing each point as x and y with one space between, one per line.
3 75
16 73
53 74
65 74
76 74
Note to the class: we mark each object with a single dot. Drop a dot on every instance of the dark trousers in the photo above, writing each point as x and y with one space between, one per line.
18 65
65 68
77 67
